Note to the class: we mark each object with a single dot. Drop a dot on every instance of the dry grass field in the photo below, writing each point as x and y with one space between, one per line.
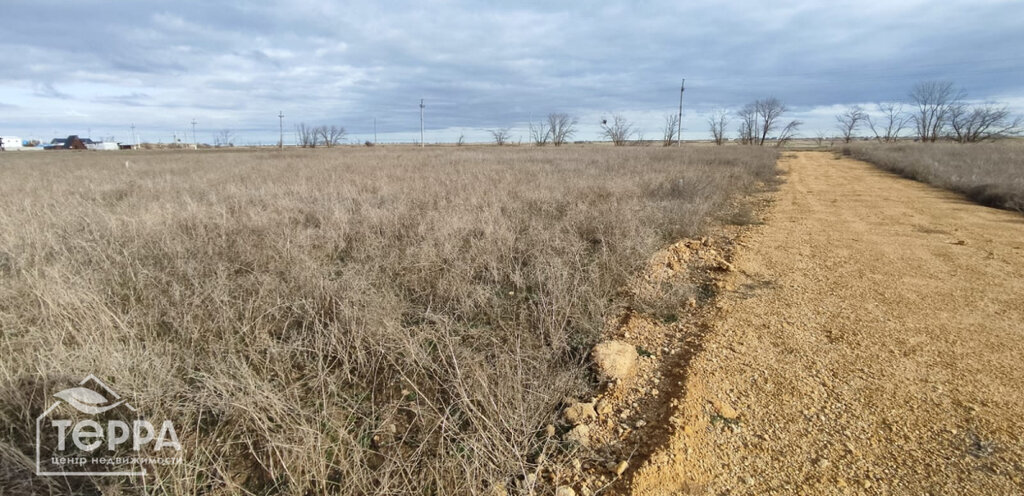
352 321
989 173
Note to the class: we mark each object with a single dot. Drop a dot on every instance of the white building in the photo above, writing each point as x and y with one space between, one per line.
104 145
10 143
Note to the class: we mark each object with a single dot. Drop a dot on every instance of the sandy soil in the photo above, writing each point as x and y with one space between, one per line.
870 342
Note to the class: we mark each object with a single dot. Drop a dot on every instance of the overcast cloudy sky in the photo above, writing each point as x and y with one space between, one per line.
95 67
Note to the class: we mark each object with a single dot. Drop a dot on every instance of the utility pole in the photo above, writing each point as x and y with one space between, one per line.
375 130
280 121
135 137
679 131
195 142
421 123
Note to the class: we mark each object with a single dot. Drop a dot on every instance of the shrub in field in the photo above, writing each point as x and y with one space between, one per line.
376 320
991 174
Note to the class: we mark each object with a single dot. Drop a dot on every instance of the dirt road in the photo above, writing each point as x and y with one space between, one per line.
872 342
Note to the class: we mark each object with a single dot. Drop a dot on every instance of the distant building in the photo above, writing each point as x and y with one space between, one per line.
10 143
72 142
102 145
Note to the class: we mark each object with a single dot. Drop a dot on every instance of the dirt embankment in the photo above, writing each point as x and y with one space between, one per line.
871 343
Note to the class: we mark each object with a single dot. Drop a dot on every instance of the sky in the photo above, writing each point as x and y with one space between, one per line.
95 68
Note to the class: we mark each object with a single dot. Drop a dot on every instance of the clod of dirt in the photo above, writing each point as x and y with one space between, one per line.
565 491
621 467
724 409
614 360
549 431
579 435
498 489
578 413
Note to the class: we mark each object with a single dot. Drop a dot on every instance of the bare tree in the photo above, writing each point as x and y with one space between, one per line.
329 135
671 123
619 130
718 122
640 140
769 110
500 136
748 124
224 137
540 133
988 121
306 135
819 138
848 121
935 101
788 132
887 129
462 139
760 117
562 127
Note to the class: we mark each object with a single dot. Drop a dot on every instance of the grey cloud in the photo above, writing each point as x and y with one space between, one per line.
480 65
47 90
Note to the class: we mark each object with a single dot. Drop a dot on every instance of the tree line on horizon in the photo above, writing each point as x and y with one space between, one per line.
938 111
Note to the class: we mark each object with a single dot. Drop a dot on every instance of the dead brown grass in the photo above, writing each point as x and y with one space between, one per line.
384 320
989 173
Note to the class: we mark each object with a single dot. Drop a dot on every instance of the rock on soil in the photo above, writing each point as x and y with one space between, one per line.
724 409
578 413
579 435
565 491
614 360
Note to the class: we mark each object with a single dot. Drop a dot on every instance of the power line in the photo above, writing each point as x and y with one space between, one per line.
421 123
280 122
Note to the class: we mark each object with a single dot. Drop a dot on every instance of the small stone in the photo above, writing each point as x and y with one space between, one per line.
621 467
866 484
640 423
565 491
578 413
549 431
841 483
576 464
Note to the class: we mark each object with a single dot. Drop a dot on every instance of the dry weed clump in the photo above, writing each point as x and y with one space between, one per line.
989 173
369 320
